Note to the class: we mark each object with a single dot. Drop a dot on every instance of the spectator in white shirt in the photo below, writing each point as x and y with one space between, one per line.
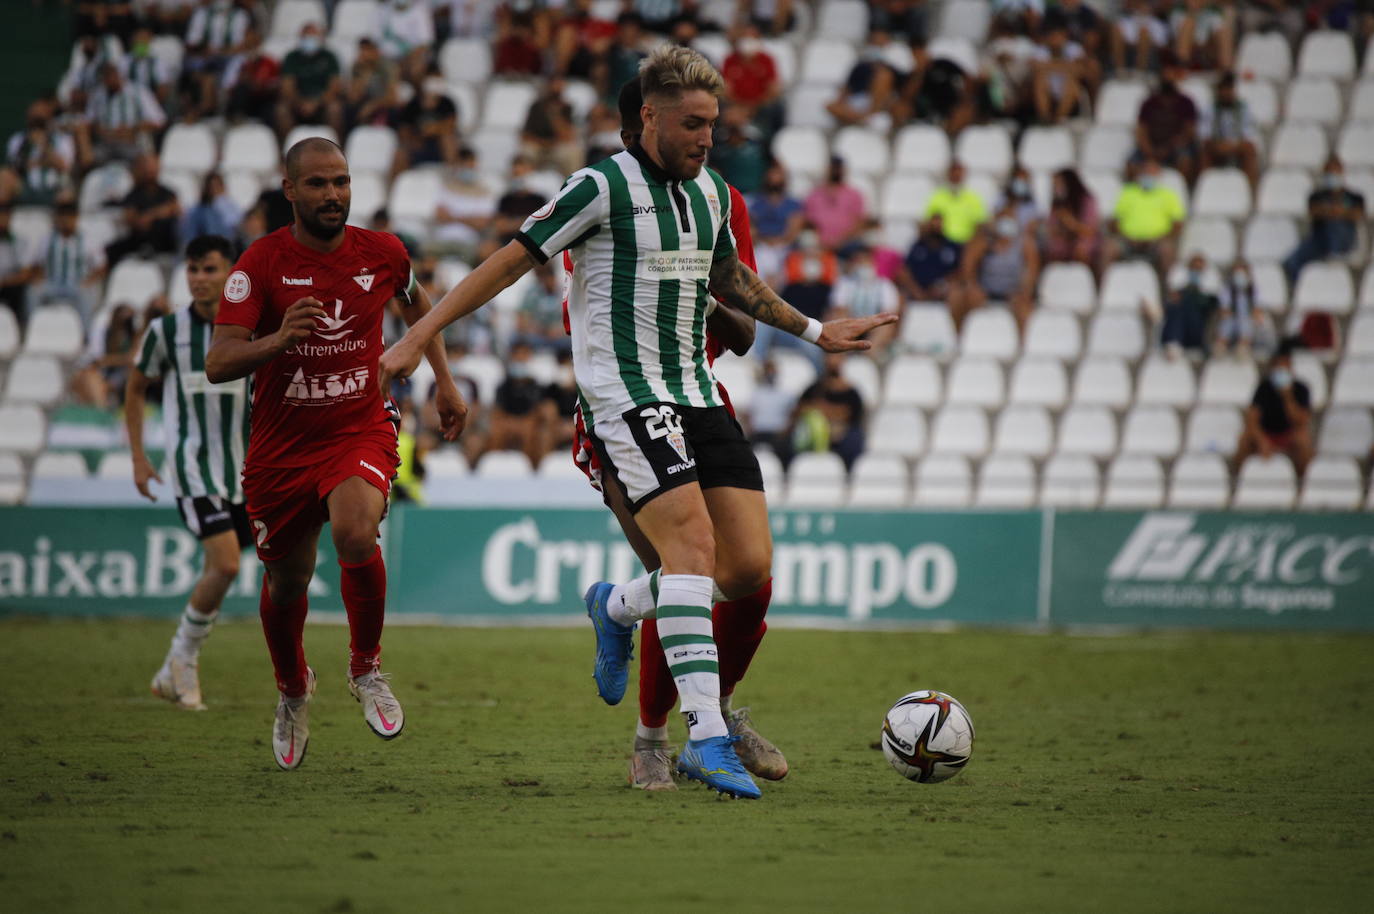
861 292
466 204
405 33
124 117
65 265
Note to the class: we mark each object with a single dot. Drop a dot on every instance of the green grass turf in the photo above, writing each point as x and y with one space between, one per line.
1211 772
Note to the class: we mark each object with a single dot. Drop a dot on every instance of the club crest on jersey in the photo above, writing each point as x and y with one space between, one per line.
714 202
679 444
364 279
237 286
332 328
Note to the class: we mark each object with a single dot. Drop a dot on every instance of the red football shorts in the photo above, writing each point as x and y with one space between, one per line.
287 504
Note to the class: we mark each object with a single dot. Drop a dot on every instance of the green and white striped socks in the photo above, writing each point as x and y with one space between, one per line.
684 628
638 600
192 631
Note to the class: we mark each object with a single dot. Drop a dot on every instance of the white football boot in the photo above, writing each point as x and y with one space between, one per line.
179 682
381 710
291 729
651 765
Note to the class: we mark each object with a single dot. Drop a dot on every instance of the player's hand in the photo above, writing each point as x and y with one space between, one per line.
298 322
143 471
453 410
400 361
845 334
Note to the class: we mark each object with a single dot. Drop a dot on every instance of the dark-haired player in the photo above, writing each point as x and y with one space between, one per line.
303 311
206 431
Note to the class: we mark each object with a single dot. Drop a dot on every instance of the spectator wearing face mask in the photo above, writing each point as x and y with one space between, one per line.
405 32
1002 263
869 94
463 213
861 292
1279 420
1146 222
311 91
1073 230
958 207
752 82
1188 310
1334 213
428 128
778 220
836 209
929 265
1017 196
809 275
1242 325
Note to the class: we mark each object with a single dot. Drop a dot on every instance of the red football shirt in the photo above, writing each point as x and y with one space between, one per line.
316 395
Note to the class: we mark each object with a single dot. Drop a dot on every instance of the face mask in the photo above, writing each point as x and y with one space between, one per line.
808 241
466 175
1331 180
1280 378
1241 278
518 370
750 46
811 269
1149 182
1020 188
873 239
434 85
310 44
865 271
1007 227
1194 277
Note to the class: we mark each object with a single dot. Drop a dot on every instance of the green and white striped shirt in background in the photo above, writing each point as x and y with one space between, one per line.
206 424
68 259
642 246
132 106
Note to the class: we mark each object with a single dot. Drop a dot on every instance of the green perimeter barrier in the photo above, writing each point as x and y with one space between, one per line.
1163 568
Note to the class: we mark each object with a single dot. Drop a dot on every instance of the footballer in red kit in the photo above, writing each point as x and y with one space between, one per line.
302 312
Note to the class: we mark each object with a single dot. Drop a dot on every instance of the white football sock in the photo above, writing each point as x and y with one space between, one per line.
684 629
651 734
192 631
638 600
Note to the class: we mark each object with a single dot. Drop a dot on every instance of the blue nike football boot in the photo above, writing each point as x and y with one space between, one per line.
714 763
614 646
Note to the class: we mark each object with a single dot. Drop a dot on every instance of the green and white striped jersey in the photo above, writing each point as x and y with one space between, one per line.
206 424
642 245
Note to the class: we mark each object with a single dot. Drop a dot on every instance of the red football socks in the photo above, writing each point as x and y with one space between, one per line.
283 626
363 588
739 629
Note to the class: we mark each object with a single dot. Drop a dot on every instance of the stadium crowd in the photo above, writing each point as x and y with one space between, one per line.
398 79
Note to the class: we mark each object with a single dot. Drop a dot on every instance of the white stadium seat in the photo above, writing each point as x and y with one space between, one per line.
784 55
1151 430
34 379
369 195
354 19
904 196
1347 432
863 373
879 481
449 463
1228 382
1354 384
1005 481
1269 238
1166 382
1055 334
1271 286
802 149
1199 481
815 479
1118 334
844 19
1215 236
1324 286
1266 484
1331 483
928 329
921 148
1102 380
114 465
1087 430
184 184
61 465
827 62
713 46
806 105
485 371
1308 368
1127 283
307 131
290 16
1106 148
1214 429
1284 192
864 150
740 377
770 467
466 60
250 147
1314 100
1356 146
134 282
943 481
1367 288
1046 149
1262 99
961 430
243 187
1299 146
1362 101
414 194
897 430
1134 481
54 329
507 104
9 333
1266 55
796 372
1119 101
189 147
1024 430
913 380
1222 192
1070 481
371 148
1068 287
975 381
966 19
990 332
25 428
1327 52
1038 382
985 148
1360 341
104 186
504 465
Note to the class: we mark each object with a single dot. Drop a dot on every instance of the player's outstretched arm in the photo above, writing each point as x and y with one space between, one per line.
477 288
235 354
735 284
453 411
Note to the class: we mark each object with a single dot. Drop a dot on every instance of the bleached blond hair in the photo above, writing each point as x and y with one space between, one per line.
672 70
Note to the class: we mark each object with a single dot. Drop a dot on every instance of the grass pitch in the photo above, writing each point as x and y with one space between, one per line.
1155 773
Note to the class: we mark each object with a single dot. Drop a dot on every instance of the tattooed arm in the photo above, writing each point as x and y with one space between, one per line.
740 287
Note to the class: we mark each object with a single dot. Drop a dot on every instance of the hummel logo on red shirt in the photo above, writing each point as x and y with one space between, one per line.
308 281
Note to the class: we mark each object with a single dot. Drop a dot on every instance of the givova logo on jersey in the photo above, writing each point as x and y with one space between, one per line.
326 388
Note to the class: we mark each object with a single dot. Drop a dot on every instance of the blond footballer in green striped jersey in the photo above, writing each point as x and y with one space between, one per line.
648 232
206 435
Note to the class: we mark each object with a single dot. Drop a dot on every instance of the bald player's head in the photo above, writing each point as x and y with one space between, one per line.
317 184
631 100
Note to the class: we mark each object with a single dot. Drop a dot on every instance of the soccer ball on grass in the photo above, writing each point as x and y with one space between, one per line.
927 736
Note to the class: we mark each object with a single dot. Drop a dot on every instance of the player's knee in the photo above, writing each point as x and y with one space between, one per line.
225 568
692 552
354 544
741 578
